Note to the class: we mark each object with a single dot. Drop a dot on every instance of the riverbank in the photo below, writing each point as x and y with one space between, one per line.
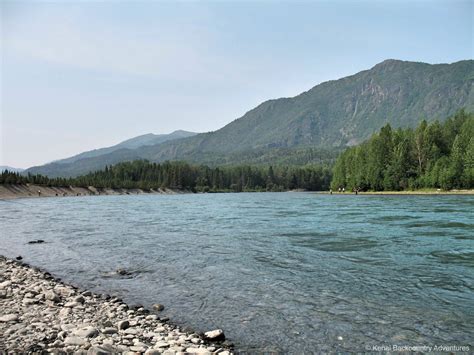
40 313
30 190
414 192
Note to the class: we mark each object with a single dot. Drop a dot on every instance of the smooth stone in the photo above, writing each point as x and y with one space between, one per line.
131 331
158 307
9 318
161 344
109 330
72 304
196 341
75 340
197 351
5 284
124 324
78 299
152 352
51 296
86 332
97 350
214 335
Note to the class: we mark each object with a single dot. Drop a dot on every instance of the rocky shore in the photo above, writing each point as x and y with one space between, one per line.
30 191
39 313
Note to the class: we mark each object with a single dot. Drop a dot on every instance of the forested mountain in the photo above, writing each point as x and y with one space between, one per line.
132 143
98 158
331 115
435 155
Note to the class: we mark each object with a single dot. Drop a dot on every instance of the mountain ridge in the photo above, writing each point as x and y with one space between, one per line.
332 114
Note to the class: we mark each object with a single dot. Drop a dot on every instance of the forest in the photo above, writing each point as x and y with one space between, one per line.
183 176
435 155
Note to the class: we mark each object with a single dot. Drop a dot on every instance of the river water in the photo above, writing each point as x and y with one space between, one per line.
287 272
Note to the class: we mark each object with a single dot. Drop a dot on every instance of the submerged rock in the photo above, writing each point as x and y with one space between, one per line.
158 307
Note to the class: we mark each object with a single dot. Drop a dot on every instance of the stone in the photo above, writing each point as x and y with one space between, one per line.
132 331
78 299
152 352
72 304
161 344
124 324
97 350
109 330
51 296
75 340
197 351
5 284
9 318
214 335
86 332
196 341
158 307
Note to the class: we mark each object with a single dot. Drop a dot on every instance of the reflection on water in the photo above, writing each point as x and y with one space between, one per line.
288 272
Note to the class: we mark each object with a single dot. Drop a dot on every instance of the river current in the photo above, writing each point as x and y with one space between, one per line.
287 272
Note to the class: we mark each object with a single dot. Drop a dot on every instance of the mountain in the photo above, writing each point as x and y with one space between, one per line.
9 168
331 115
132 143
96 159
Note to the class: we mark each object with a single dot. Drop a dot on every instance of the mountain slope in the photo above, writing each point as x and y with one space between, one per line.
132 143
333 114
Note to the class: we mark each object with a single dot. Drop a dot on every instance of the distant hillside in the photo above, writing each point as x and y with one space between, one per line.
96 159
132 143
9 168
331 115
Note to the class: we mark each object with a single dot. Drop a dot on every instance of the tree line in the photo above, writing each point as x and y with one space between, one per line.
183 176
435 155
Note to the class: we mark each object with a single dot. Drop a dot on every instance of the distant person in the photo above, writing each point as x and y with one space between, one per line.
330 191
39 193
343 190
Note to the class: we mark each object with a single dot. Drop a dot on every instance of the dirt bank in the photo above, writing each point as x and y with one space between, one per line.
29 190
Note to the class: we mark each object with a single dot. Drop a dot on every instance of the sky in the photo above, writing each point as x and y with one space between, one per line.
81 75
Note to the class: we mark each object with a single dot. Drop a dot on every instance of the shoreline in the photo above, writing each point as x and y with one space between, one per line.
15 191
40 313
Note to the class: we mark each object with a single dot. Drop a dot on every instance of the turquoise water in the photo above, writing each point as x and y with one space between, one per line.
289 272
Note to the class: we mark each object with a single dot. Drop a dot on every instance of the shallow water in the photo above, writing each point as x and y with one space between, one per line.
288 272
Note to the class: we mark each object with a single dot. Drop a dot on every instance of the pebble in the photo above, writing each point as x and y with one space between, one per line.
46 315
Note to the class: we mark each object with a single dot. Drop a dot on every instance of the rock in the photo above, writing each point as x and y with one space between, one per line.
72 304
161 344
215 335
152 352
86 332
109 330
196 341
131 331
51 296
5 284
9 318
138 349
87 293
158 307
19 257
75 340
123 272
340 338
79 299
197 351
124 324
97 350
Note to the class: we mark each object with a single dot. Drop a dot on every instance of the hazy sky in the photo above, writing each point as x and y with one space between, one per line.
82 75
